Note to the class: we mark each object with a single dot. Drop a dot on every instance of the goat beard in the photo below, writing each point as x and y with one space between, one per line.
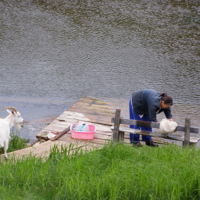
18 126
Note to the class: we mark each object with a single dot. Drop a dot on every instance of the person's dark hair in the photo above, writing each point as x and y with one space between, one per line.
167 99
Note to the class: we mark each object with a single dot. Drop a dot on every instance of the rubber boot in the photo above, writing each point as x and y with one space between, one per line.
151 143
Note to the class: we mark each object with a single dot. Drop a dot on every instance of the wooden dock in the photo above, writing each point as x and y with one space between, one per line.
96 111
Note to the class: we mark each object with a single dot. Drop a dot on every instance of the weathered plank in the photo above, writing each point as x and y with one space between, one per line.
156 134
153 125
135 131
168 141
61 133
181 138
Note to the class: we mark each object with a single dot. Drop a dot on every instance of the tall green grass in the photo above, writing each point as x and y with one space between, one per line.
116 172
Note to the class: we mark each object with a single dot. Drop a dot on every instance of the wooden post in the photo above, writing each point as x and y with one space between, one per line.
121 136
187 132
115 135
61 134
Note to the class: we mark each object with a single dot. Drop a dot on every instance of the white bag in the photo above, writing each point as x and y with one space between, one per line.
167 126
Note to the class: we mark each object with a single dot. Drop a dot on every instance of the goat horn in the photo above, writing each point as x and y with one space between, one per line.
11 108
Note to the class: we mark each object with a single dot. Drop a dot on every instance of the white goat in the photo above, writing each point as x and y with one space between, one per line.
6 124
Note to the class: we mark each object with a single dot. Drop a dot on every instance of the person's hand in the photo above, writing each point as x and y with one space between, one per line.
171 119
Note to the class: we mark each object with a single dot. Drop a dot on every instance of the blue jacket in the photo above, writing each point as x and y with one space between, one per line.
148 102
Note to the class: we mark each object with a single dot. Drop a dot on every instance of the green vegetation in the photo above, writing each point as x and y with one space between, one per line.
15 143
116 172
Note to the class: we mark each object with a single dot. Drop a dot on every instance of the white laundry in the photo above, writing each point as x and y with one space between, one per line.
51 135
167 126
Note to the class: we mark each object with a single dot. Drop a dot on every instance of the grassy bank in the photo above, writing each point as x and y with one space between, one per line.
116 172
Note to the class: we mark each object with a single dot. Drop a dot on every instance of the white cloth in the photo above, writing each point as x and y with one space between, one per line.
167 126
51 135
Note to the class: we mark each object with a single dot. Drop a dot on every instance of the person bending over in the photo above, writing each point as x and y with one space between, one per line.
144 105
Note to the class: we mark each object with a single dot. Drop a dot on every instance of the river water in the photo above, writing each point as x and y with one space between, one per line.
55 52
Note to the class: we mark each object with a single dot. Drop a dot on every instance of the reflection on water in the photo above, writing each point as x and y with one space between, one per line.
63 50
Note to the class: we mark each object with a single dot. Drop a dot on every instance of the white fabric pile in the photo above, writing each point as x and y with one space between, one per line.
167 126
51 135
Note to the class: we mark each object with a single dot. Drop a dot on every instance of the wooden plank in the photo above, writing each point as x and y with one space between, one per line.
135 131
52 128
61 133
58 125
71 118
153 125
93 113
91 100
102 107
83 116
138 123
98 118
111 102
191 139
99 132
87 104
67 137
62 122
92 109
161 141
191 130
167 141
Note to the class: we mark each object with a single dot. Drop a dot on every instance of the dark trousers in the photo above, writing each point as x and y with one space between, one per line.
134 138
